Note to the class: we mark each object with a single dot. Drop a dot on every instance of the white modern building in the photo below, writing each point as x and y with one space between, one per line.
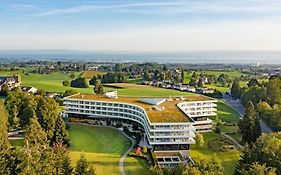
169 123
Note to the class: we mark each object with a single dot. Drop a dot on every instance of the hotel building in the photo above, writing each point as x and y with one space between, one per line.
169 123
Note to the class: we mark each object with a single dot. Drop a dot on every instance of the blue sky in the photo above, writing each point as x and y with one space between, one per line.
130 25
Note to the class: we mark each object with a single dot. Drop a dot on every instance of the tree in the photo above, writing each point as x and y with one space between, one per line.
60 133
35 134
93 80
199 138
66 83
72 76
82 167
66 166
36 157
235 90
4 90
47 111
273 91
146 76
253 82
69 92
98 89
5 152
182 75
41 92
154 170
27 114
265 152
200 83
249 125
202 167
4 143
79 83
254 94
257 169
217 125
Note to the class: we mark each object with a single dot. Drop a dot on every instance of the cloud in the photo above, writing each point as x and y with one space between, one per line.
174 7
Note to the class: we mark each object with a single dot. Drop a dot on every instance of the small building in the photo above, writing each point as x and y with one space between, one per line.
11 82
111 94
29 89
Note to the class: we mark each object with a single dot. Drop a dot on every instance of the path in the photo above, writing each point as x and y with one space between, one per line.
122 159
237 106
234 141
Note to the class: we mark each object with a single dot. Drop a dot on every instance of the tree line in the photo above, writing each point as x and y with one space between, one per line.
265 96
45 149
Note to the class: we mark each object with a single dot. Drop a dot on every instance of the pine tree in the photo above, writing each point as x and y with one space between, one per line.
66 166
235 90
60 132
249 125
35 135
82 166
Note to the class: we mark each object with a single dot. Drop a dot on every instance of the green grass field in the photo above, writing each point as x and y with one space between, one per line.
226 113
133 90
103 147
229 159
89 74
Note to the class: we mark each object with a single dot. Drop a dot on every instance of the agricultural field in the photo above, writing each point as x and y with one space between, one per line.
229 159
133 90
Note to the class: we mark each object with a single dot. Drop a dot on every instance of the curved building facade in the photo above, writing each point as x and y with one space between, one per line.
166 122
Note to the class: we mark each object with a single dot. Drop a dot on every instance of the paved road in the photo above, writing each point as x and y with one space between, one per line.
122 159
237 106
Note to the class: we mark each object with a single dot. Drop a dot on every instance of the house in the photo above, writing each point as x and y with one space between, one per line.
29 89
11 82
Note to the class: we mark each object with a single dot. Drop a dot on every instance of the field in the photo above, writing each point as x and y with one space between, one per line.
133 90
229 159
90 74
103 149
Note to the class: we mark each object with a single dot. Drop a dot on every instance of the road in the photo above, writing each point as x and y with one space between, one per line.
239 108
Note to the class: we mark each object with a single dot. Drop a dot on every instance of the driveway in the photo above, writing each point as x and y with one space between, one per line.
239 108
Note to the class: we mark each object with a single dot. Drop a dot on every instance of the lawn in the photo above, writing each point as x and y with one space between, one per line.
103 147
229 159
17 142
226 113
133 90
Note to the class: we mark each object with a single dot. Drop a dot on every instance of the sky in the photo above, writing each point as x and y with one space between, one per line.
141 26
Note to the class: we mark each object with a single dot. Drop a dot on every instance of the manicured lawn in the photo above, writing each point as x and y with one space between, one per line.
133 90
226 113
136 166
229 159
103 147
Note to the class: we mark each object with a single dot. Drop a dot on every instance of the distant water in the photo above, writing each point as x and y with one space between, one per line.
240 57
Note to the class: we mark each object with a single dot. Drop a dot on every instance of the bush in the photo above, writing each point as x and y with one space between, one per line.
220 144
